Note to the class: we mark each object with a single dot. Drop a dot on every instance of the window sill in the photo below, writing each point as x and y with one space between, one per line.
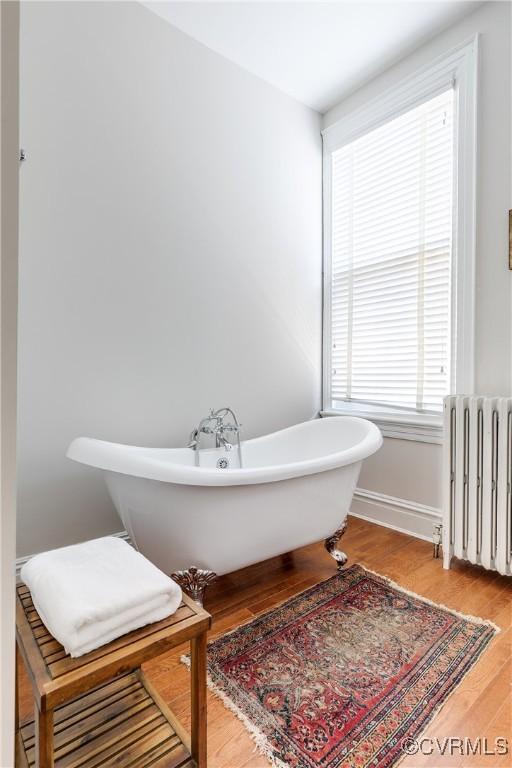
418 427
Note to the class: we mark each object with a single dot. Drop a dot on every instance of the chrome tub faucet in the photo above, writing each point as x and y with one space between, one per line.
224 426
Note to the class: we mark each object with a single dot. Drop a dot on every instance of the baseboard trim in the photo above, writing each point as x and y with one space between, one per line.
398 514
20 561
389 511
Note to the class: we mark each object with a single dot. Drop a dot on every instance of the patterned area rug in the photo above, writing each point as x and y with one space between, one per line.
343 673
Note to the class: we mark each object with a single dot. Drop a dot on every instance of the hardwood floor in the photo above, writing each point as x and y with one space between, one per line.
480 707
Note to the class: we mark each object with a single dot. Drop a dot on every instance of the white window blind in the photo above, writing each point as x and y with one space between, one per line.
391 261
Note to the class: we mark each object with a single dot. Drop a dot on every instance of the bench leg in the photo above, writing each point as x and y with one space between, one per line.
198 699
43 722
17 691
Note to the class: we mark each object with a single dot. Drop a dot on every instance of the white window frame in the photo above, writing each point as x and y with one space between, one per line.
458 68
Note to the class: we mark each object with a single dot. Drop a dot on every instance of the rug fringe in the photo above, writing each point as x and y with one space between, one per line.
467 617
259 738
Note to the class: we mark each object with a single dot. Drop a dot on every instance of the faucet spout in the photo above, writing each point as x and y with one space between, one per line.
221 440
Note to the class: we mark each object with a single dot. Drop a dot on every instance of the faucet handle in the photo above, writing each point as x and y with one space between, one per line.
193 439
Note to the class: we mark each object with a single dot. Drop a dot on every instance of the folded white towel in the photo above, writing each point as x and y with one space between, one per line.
89 594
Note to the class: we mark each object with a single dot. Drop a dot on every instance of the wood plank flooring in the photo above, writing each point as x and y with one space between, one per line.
481 707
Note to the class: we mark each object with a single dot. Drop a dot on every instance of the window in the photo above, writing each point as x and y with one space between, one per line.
391 261
395 302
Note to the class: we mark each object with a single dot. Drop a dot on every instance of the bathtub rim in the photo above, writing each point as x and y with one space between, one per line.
129 460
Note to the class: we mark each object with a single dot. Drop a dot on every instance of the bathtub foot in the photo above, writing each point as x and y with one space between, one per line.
194 581
330 545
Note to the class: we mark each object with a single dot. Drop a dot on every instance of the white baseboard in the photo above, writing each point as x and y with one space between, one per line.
399 514
20 561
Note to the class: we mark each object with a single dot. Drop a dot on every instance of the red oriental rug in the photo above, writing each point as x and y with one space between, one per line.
344 673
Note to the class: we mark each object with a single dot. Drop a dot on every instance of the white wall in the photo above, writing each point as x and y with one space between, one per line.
9 172
405 469
170 251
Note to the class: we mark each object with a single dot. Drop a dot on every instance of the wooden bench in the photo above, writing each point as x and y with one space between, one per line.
99 710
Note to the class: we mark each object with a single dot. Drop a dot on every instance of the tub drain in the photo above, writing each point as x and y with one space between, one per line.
222 463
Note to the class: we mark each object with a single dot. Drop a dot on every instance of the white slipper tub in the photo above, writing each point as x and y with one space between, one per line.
295 488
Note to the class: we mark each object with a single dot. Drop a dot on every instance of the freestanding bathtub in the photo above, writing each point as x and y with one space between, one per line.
295 488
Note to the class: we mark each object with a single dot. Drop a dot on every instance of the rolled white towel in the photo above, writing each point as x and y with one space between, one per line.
89 594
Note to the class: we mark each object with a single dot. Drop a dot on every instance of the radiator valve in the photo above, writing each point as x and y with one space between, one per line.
436 538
